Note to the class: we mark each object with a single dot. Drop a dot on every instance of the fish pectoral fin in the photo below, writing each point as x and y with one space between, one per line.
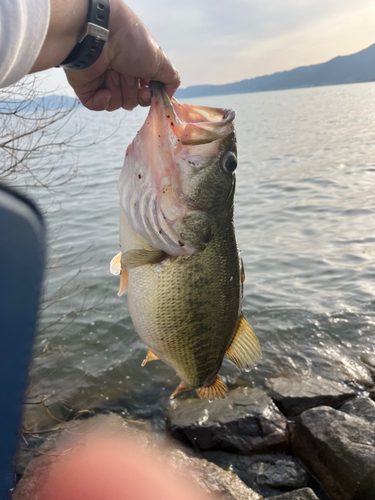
115 265
244 350
123 282
181 388
141 257
150 356
115 268
216 390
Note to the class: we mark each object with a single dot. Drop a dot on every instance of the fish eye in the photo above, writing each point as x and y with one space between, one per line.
229 162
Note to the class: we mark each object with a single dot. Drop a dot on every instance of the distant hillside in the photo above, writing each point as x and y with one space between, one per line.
47 102
359 67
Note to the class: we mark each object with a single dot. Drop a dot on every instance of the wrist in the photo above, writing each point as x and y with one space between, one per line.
91 42
67 23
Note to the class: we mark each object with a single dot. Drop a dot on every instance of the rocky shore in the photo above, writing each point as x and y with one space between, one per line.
301 438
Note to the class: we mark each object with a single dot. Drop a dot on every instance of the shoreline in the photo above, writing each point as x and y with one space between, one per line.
302 437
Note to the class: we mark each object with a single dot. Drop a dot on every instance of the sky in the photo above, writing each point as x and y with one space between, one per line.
224 41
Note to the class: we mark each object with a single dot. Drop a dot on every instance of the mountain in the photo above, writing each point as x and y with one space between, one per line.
358 67
49 102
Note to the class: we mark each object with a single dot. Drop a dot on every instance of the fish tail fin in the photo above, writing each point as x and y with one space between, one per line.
181 388
244 349
150 356
215 390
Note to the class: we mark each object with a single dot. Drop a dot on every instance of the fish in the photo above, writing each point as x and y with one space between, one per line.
179 260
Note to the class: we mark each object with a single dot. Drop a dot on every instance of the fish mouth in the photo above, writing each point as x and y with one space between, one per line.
192 125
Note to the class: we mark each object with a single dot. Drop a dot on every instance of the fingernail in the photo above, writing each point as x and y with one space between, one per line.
107 100
129 80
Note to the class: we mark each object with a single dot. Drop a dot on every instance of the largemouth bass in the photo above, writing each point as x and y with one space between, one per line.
179 260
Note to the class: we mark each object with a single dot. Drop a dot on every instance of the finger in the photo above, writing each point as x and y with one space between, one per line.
96 101
129 88
167 74
144 96
113 83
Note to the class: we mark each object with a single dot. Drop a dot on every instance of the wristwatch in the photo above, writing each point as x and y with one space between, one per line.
91 43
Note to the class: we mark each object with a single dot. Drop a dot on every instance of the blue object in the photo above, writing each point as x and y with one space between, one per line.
22 258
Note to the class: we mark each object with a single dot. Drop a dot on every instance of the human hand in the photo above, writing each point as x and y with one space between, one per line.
130 59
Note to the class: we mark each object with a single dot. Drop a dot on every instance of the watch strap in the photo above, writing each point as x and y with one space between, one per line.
91 43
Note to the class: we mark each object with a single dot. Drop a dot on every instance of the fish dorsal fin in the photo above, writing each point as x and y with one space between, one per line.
216 390
123 282
115 265
244 350
141 257
150 356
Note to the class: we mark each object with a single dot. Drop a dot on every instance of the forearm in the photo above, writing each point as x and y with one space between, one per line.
67 21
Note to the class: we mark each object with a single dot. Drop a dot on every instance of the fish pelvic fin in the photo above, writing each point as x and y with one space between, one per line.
115 265
141 257
215 390
123 282
181 388
150 356
244 349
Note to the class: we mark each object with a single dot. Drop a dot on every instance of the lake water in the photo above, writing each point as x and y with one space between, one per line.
305 221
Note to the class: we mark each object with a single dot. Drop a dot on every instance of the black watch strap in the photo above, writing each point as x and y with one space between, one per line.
91 43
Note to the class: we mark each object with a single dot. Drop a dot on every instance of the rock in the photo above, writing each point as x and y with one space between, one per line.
60 443
283 474
338 448
212 478
295 394
366 488
369 360
267 474
247 421
362 407
302 494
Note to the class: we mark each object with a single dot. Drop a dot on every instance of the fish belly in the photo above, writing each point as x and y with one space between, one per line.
186 309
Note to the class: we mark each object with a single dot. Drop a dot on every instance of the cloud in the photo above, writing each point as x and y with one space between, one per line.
224 41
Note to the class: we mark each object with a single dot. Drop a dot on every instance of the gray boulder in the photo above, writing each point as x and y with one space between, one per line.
267 473
302 494
369 360
366 488
212 478
338 448
362 407
282 473
295 394
247 421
